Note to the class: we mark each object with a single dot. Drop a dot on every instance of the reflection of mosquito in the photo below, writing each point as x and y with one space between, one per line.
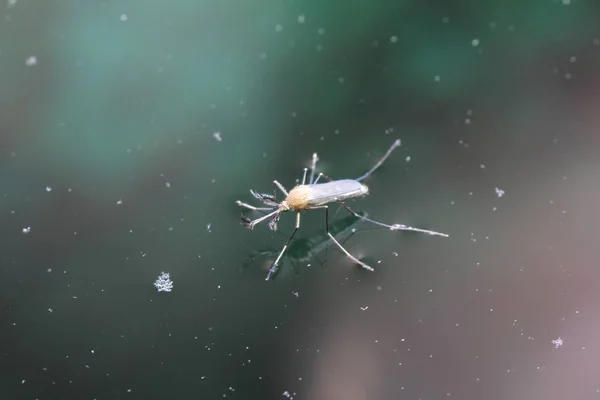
314 196
306 249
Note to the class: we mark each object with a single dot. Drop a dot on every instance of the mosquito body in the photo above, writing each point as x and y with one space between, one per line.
316 196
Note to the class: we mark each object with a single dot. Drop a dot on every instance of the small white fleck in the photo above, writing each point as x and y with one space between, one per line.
278 28
407 158
168 184
573 59
499 192
217 136
475 42
437 78
123 17
164 282
120 201
48 189
208 227
301 18
394 39
12 2
364 308
26 230
566 2
321 31
31 61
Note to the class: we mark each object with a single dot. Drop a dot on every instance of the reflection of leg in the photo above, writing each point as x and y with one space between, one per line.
385 156
312 168
356 260
393 227
274 267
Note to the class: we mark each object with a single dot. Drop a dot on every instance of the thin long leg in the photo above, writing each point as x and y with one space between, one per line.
386 155
356 260
393 227
251 207
276 263
280 187
304 177
312 168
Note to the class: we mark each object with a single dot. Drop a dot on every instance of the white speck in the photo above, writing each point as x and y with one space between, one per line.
437 78
217 136
573 59
26 230
119 202
341 79
128 390
50 310
278 28
321 31
301 18
164 282
557 342
394 39
208 227
445 20
364 308
566 2
92 351
48 189
31 61
475 42
407 158
296 293
123 17
168 184
12 2
499 192
482 166
395 254
23 382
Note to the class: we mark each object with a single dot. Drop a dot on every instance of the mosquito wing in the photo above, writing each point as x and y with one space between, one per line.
323 193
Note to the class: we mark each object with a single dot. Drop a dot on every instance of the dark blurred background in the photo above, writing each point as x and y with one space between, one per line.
128 129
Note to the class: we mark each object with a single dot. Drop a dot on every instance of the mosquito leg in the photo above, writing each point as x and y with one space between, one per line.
304 177
251 207
280 187
393 227
385 156
276 263
312 168
356 260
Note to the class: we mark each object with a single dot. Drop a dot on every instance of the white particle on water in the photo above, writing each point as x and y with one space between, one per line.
208 227
364 308
123 17
301 18
407 158
31 61
26 230
557 342
278 28
499 192
394 39
48 189
217 136
475 42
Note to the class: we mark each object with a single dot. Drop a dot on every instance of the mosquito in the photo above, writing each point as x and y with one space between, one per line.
316 196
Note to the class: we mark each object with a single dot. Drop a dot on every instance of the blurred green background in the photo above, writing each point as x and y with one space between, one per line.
128 129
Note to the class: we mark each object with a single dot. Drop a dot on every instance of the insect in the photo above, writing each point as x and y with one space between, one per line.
316 196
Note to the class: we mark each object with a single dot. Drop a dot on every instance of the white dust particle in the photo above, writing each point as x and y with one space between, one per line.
482 166
208 227
278 28
48 189
11 3
475 42
437 78
31 61
573 59
301 18
296 294
119 202
557 342
168 184
445 20
217 136
26 230
321 31
365 308
407 158
394 39
499 192
566 2
123 17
